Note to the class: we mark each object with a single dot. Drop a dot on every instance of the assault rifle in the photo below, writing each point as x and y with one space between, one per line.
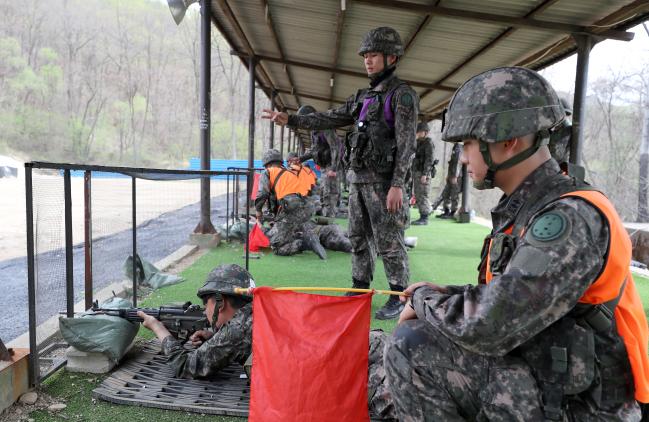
181 320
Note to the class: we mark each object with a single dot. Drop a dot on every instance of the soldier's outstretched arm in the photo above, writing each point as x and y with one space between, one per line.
541 283
336 117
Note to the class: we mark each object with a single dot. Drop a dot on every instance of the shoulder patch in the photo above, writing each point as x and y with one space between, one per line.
549 226
406 99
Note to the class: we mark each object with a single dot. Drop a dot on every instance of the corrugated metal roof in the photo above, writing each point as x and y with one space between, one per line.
448 40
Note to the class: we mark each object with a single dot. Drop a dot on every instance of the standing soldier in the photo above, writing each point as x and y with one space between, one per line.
555 329
326 151
379 151
422 172
450 196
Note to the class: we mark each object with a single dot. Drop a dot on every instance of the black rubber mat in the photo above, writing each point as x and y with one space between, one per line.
147 380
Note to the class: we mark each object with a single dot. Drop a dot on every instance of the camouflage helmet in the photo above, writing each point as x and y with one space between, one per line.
305 109
566 106
291 155
423 127
271 156
382 40
501 104
224 279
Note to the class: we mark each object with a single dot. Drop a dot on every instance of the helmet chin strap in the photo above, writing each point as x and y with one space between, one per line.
542 138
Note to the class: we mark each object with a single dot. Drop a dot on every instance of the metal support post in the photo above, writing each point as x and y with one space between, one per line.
69 261
584 44
271 144
288 145
252 61
34 372
465 210
205 225
87 233
134 235
281 141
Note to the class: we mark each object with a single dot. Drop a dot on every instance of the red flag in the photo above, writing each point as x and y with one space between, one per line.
257 239
310 357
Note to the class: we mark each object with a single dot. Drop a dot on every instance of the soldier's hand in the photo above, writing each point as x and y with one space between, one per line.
260 217
278 117
199 337
331 173
407 313
148 321
424 179
411 289
394 201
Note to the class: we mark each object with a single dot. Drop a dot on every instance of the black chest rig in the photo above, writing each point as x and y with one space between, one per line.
372 143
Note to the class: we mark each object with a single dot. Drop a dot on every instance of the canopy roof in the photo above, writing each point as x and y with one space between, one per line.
307 50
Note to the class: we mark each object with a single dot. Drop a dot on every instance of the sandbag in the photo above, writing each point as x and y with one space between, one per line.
105 334
149 275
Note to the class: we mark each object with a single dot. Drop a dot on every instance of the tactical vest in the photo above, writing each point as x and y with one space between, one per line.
307 178
420 155
372 144
322 153
611 299
283 182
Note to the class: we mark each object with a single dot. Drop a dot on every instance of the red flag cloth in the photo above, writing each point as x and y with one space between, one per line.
257 239
255 187
310 357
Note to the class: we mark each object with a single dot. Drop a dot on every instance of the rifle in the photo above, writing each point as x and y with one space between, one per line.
181 320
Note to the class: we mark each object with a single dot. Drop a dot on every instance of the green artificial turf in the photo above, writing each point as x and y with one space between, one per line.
446 253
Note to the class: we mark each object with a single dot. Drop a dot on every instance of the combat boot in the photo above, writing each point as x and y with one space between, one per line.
356 284
311 242
444 214
451 214
393 307
423 220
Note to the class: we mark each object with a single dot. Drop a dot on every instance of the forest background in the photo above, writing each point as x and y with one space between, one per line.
115 82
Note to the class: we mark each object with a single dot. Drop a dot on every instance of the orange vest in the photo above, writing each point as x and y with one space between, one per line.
630 318
306 176
286 184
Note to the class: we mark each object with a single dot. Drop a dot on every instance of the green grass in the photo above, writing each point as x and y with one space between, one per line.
446 253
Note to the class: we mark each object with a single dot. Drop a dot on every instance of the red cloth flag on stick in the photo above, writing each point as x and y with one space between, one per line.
310 357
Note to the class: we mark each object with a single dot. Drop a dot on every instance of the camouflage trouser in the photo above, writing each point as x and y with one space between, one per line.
333 237
433 379
449 198
286 234
379 398
422 193
330 194
372 230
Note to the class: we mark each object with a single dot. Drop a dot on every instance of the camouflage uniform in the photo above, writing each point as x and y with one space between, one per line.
422 165
379 397
288 234
332 237
495 351
372 228
450 196
231 343
561 136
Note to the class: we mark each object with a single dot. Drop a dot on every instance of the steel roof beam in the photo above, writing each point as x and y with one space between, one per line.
271 28
513 21
346 72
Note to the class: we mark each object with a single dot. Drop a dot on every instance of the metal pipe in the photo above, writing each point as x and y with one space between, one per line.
205 224
134 235
584 45
87 235
252 61
34 371
69 261
288 144
227 207
281 141
271 143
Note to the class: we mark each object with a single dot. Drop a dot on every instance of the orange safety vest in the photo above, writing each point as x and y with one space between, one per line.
283 182
630 318
306 176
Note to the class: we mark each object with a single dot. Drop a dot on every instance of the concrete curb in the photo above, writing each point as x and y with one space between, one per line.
50 327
